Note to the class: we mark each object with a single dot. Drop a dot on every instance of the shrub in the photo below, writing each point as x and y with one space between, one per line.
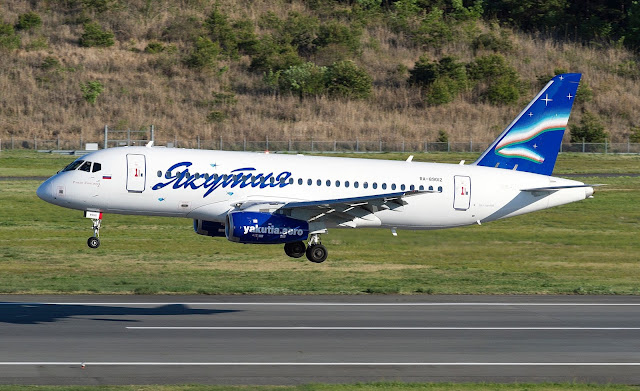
8 38
272 56
183 29
439 92
95 36
216 116
493 66
246 38
91 90
338 34
443 137
304 79
503 91
493 42
50 62
154 47
345 79
590 130
634 134
203 55
424 72
28 21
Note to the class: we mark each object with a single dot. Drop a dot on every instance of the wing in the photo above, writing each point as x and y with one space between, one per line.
341 211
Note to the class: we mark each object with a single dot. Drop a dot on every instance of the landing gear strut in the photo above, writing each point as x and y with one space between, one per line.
316 252
96 218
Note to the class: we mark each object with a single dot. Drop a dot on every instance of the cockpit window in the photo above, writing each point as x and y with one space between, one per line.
73 165
86 166
96 167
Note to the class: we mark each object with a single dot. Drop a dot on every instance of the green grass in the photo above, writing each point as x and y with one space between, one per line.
345 387
589 247
586 247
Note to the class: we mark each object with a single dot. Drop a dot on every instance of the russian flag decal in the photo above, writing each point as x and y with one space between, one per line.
106 177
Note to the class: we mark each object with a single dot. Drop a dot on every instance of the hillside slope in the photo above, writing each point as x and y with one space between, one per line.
229 82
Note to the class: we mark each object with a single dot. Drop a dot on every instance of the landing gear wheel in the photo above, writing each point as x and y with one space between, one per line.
295 249
93 242
317 253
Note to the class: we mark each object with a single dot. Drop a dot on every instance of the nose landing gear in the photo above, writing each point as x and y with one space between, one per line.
96 218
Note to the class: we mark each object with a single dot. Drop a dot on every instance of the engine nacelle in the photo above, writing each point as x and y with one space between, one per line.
265 228
208 228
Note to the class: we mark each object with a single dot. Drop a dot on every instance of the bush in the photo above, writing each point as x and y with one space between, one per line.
28 21
154 47
95 36
493 66
8 38
503 91
493 42
634 134
443 137
216 116
590 130
91 90
424 72
272 56
338 34
305 79
203 55
439 93
50 62
345 79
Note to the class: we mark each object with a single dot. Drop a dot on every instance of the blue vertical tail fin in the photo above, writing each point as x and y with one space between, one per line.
532 141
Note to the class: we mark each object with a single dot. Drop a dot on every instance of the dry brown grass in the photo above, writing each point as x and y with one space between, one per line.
143 89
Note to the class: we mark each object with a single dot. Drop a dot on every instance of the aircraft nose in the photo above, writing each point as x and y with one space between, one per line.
45 192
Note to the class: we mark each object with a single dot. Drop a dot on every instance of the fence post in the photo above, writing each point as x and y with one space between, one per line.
244 144
583 145
402 145
471 145
35 144
380 141
335 145
311 144
11 142
106 137
198 142
128 137
289 149
605 147
426 146
175 140
58 143
628 146
81 142
152 134
448 146
357 145
221 143
267 143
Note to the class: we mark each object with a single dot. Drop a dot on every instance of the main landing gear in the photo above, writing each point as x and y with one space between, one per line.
316 252
96 218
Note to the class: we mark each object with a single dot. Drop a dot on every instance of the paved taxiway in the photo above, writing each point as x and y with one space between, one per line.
286 340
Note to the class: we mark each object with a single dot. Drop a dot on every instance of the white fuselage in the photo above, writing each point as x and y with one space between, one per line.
135 180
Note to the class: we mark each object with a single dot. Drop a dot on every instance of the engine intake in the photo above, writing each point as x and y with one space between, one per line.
265 228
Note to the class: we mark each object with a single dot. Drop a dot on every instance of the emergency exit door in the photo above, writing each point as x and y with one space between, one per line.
462 196
136 167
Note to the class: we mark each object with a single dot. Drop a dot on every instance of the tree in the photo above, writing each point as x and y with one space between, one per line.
590 130
345 79
95 36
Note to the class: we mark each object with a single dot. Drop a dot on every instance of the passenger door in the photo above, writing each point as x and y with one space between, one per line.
462 195
136 169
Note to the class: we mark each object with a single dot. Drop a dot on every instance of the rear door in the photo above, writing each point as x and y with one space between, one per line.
462 195
136 170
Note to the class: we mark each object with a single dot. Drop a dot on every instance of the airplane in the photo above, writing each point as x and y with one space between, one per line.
258 198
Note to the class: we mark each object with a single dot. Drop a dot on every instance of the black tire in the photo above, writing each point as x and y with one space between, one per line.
93 242
295 249
317 253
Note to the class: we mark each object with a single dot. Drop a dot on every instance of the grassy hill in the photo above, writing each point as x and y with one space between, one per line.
252 69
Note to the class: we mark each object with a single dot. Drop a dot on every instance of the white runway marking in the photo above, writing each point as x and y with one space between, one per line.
369 328
338 364
329 304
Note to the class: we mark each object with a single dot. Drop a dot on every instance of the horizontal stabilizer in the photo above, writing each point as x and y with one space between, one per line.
556 188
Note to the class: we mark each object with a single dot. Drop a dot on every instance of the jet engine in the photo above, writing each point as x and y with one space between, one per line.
265 228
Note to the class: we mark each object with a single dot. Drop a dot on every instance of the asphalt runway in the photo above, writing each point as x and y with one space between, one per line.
303 339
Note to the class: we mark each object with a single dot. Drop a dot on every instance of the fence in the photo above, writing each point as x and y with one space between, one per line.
306 146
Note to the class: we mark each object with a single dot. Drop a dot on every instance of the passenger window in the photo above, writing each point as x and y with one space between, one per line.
365 185
393 186
215 177
356 184
328 183
412 188
319 182
384 186
309 182
206 177
402 187
159 174
86 166
97 167
375 185
421 187
440 189
196 175
430 188
272 180
346 183
337 183
299 181
291 181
